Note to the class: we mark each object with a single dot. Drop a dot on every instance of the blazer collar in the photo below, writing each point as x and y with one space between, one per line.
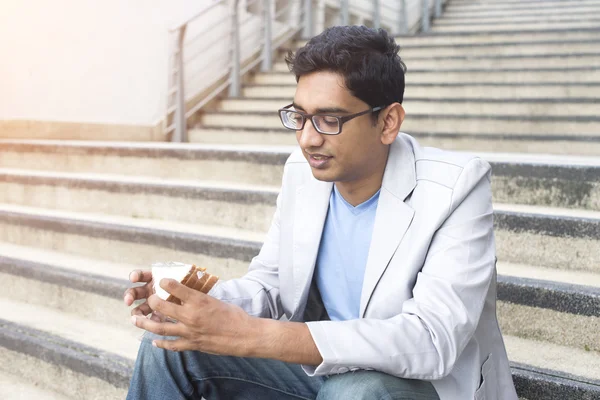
400 177
393 216
312 203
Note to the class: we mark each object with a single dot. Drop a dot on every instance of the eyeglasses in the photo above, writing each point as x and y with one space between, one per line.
325 124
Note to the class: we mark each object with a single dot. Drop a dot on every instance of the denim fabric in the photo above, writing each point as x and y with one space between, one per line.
160 374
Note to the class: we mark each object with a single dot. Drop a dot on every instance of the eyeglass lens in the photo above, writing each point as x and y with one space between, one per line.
323 123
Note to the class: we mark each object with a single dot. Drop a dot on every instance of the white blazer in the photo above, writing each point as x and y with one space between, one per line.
428 304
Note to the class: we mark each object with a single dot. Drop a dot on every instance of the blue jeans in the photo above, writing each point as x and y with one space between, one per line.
162 374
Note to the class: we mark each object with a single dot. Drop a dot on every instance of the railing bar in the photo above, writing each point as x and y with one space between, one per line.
198 14
201 51
194 38
208 98
283 10
225 34
217 42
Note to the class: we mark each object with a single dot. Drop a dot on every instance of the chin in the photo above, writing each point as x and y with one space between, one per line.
323 175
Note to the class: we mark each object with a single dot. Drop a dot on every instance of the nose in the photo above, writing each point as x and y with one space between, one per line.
308 137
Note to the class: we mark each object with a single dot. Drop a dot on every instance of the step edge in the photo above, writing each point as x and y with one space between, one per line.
53 349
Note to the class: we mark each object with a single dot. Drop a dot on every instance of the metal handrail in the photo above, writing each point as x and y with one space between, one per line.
200 13
264 17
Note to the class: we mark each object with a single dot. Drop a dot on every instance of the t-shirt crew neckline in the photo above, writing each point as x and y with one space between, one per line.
362 207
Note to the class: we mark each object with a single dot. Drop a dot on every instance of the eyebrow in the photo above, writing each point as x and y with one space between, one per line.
325 110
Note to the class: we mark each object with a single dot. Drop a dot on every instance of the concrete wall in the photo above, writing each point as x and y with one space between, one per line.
85 60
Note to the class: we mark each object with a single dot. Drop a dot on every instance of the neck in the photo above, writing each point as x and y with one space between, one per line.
360 190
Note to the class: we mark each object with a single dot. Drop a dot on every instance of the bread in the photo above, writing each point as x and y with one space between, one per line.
189 275
198 279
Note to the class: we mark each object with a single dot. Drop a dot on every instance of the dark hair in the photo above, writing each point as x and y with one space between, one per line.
367 59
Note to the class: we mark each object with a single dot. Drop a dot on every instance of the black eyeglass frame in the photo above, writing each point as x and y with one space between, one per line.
341 119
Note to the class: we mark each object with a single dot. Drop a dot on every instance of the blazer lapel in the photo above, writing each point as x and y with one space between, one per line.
312 202
393 216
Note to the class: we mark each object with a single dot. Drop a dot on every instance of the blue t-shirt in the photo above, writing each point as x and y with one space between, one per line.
343 255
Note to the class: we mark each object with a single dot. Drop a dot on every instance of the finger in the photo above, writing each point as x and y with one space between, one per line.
160 328
167 309
137 293
140 276
182 292
158 317
142 310
174 345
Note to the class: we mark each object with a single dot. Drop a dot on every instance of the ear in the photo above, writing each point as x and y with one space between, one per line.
391 117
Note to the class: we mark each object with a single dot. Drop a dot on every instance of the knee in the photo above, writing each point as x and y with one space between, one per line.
150 357
353 385
374 385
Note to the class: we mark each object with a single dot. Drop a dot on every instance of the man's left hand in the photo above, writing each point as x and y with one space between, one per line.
203 322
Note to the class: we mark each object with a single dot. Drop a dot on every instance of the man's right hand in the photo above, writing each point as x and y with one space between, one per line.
140 292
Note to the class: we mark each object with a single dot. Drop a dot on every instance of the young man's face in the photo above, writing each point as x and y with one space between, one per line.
353 155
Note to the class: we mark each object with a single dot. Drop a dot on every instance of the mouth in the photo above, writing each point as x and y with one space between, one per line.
318 160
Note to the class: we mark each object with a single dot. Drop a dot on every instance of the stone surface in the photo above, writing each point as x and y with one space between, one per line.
550 326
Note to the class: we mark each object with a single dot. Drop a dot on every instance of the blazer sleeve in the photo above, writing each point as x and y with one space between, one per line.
257 292
427 337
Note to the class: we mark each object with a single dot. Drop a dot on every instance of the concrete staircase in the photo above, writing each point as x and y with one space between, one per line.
76 217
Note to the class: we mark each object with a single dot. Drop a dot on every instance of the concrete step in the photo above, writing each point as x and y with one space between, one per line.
14 387
523 27
432 123
550 237
566 60
564 239
226 251
580 10
486 142
517 46
60 280
511 274
472 75
458 91
542 307
484 37
523 143
492 43
529 107
61 332
550 371
567 182
518 178
66 366
193 202
515 294
515 5
158 160
532 17
524 289
52 351
550 312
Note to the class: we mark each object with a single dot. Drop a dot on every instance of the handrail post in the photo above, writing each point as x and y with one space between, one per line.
234 87
403 18
438 9
376 14
308 19
180 134
345 12
267 56
425 16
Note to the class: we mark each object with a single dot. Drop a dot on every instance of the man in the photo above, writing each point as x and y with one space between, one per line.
380 257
